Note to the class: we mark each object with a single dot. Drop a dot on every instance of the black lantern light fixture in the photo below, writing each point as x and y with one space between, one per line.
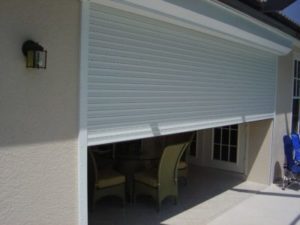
36 56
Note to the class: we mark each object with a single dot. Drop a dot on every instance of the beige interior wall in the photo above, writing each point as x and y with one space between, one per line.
207 138
203 148
282 122
259 151
39 113
198 158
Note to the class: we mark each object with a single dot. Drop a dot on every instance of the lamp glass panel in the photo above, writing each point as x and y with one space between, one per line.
30 59
40 57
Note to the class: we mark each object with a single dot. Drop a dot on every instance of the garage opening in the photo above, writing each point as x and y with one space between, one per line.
213 184
208 157
147 78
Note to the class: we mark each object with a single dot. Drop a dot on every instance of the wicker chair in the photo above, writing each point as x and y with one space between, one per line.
106 182
161 182
183 167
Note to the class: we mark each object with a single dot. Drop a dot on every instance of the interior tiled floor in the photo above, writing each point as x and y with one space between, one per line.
209 193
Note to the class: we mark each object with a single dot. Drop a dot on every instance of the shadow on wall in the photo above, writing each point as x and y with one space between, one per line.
278 166
259 151
287 128
278 173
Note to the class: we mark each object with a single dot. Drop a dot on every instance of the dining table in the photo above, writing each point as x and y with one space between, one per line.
131 162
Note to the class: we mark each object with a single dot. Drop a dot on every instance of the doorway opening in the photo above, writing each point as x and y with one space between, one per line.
129 157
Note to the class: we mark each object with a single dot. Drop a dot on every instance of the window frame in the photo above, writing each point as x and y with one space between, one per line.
228 144
295 120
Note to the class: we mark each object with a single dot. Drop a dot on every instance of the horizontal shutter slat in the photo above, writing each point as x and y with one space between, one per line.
148 78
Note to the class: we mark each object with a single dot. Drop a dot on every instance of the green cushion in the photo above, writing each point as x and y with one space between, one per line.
108 178
147 177
182 165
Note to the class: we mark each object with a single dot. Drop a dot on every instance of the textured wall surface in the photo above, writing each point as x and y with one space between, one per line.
282 122
39 113
259 151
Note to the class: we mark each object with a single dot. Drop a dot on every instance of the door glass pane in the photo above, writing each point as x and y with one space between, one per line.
233 154
225 137
296 92
233 138
295 116
298 69
217 135
234 127
224 153
217 152
225 143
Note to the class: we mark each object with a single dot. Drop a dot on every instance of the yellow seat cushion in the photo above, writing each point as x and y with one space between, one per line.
182 165
108 178
147 177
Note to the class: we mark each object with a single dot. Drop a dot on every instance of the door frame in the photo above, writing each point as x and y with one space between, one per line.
82 195
239 166
296 59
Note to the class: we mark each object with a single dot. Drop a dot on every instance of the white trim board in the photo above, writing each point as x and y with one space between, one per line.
295 41
160 10
82 138
99 138
297 56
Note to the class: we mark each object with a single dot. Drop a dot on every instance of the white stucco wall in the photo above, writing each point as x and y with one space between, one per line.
282 122
258 153
39 113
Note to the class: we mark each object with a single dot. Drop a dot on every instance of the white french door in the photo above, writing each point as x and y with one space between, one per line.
228 148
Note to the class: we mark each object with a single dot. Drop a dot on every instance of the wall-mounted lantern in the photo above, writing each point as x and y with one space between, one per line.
36 56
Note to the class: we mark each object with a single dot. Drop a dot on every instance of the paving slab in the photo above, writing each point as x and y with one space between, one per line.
271 206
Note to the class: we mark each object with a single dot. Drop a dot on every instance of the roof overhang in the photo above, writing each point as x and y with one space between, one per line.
257 16
172 13
269 5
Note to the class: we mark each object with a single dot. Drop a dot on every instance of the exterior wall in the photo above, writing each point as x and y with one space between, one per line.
259 151
39 113
282 123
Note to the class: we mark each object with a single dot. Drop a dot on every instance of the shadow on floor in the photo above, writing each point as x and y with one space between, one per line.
266 193
204 184
296 220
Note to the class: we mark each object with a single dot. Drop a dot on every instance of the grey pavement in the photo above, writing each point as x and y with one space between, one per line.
212 197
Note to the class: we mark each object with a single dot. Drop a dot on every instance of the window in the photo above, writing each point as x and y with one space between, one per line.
225 143
296 97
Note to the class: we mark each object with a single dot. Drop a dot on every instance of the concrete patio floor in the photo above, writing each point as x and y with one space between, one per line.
211 197
268 206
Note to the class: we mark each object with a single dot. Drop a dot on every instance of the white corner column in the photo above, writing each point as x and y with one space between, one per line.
82 145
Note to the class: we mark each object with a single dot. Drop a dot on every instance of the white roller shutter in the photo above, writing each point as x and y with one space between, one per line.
148 78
